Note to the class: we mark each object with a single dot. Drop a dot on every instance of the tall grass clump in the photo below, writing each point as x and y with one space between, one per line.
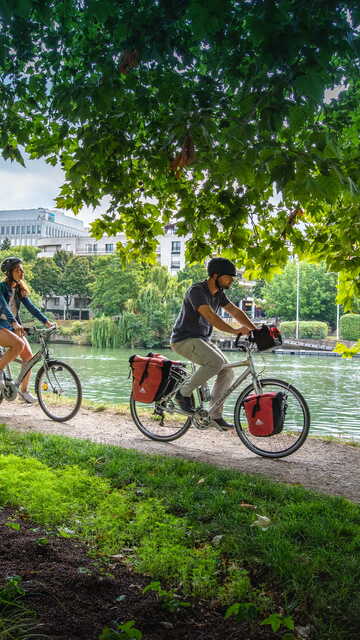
106 333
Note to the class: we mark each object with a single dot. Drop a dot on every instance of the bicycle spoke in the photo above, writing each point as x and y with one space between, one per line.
59 391
159 421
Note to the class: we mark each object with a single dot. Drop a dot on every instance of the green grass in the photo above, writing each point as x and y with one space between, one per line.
190 525
17 621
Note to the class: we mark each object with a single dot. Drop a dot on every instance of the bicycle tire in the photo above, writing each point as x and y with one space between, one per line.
296 425
149 419
50 392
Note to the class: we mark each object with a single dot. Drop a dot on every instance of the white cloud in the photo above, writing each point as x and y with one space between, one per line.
36 185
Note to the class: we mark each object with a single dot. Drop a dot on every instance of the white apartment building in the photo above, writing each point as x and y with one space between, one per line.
170 250
52 230
25 227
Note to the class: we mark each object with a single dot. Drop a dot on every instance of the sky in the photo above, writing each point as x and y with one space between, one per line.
36 185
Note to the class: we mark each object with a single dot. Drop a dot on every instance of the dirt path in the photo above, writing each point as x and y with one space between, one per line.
322 465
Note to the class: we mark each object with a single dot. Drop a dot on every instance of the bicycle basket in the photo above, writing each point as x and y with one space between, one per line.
266 337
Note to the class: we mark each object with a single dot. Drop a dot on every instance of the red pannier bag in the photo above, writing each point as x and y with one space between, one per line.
265 413
150 376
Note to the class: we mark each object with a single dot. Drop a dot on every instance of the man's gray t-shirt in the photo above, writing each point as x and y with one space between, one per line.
190 323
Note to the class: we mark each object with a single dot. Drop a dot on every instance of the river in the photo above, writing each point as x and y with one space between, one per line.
329 384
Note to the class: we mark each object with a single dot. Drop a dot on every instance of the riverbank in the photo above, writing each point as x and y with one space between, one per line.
328 466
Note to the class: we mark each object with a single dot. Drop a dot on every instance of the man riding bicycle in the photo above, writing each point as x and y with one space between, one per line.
192 330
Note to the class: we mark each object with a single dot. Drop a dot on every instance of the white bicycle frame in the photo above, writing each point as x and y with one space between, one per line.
249 371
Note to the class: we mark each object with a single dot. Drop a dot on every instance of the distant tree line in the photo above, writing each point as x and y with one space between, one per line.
145 299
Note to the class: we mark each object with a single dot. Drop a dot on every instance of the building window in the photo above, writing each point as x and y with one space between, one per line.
12 231
17 230
175 247
28 229
22 229
33 228
175 264
2 231
39 228
109 248
79 303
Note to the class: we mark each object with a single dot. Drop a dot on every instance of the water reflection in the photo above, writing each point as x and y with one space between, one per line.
329 384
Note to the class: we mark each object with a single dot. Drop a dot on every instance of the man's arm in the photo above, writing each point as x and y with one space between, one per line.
239 315
217 322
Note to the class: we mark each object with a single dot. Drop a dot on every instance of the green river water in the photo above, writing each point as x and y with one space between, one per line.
329 384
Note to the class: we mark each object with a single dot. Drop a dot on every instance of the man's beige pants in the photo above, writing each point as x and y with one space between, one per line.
211 361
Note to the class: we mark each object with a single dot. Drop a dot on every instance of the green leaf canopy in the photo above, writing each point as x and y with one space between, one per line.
199 111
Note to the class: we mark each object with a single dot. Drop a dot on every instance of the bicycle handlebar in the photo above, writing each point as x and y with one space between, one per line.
245 341
41 331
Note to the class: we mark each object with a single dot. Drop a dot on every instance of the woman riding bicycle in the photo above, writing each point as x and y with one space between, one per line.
13 292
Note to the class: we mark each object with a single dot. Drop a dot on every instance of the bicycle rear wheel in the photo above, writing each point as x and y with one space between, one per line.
296 424
159 420
58 389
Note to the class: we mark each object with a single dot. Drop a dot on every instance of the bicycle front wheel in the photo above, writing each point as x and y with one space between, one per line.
159 420
58 389
296 423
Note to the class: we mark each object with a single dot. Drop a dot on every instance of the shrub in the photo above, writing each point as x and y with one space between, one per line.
350 326
307 329
64 331
78 327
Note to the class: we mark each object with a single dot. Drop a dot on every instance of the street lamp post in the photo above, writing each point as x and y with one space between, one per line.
337 312
297 297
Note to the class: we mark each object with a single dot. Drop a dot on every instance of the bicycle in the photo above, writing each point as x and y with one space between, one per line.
57 386
161 420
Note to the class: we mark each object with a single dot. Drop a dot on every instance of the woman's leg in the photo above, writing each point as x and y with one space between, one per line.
14 346
25 355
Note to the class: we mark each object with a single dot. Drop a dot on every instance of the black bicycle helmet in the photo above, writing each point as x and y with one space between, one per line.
9 263
221 266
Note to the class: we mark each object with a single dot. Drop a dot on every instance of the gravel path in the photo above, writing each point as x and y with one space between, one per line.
322 465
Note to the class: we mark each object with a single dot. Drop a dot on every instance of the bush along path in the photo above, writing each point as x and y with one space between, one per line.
280 562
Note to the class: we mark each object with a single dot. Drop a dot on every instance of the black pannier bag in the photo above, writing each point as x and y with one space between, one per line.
265 413
172 375
266 337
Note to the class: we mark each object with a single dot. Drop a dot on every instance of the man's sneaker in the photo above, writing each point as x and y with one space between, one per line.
221 424
185 403
27 397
